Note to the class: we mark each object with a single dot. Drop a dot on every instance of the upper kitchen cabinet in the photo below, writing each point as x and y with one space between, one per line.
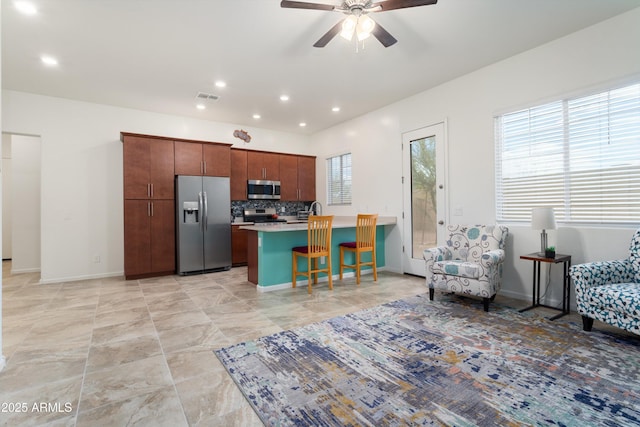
193 158
263 165
307 178
148 167
238 174
297 178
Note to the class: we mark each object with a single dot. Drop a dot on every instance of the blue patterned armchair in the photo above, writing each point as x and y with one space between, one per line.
609 291
470 263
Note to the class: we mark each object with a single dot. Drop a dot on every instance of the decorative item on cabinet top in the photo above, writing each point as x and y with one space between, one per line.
243 135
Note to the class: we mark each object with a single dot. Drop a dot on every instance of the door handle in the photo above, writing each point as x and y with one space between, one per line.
441 222
206 211
201 210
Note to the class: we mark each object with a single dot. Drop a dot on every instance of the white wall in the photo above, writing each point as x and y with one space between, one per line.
3 360
594 58
25 203
6 196
81 193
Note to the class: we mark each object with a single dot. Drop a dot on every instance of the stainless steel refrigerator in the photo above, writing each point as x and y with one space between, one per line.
203 212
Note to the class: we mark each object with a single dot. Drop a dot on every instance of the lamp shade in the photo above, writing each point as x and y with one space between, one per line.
349 27
543 219
365 27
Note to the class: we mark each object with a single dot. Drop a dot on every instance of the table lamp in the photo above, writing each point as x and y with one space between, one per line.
543 219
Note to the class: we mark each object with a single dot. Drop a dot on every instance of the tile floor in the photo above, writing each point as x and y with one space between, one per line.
113 352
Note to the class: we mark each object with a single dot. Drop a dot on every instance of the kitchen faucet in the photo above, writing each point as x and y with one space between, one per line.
319 206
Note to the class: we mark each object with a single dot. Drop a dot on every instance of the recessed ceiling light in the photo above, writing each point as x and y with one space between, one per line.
220 83
25 7
335 109
49 60
256 116
284 97
201 106
302 124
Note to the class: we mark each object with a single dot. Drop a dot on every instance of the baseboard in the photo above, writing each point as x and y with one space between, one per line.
24 270
514 295
79 278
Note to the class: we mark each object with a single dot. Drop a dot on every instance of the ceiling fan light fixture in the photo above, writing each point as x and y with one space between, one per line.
365 27
348 27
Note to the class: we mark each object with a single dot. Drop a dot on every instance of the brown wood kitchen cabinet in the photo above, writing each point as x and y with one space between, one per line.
297 178
194 158
148 168
238 174
263 165
238 246
307 178
149 208
149 243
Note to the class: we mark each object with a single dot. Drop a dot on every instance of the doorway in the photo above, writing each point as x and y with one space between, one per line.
423 158
21 183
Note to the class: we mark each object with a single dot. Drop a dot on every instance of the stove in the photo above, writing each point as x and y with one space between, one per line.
261 216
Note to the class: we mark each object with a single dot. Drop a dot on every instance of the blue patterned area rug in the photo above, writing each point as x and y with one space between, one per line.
417 362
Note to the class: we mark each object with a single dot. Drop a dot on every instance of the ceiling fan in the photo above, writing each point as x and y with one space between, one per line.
357 22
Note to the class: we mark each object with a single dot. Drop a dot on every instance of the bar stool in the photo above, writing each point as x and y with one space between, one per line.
365 242
318 245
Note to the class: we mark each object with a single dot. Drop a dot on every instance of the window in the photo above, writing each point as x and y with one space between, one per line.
339 179
581 156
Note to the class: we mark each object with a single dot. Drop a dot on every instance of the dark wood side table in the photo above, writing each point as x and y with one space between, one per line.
539 258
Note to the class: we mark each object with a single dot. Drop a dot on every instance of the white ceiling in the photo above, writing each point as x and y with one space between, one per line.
155 55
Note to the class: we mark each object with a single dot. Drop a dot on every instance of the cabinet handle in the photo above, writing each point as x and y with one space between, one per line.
151 208
148 190
151 190
205 167
148 208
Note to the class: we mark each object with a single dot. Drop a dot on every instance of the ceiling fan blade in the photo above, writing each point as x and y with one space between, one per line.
402 4
305 5
383 36
329 35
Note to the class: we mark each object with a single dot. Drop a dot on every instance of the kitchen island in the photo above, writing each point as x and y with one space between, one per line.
269 249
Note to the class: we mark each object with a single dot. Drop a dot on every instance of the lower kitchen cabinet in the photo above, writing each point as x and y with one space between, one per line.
238 246
149 238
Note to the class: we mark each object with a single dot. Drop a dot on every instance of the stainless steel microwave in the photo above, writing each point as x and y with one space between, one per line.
263 189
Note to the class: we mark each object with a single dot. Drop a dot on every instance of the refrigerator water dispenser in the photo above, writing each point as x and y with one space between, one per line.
190 213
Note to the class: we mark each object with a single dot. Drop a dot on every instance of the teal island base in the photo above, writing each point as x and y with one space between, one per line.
269 254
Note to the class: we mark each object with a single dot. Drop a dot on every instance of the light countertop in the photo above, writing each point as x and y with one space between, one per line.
338 222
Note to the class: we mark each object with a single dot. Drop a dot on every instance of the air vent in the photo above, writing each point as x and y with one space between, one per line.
209 96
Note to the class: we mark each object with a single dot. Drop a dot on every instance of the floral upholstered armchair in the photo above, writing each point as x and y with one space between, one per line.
609 291
470 263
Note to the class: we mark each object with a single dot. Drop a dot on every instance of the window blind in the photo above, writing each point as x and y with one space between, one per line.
339 179
580 156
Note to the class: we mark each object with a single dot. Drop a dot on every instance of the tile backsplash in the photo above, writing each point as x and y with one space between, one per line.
290 208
